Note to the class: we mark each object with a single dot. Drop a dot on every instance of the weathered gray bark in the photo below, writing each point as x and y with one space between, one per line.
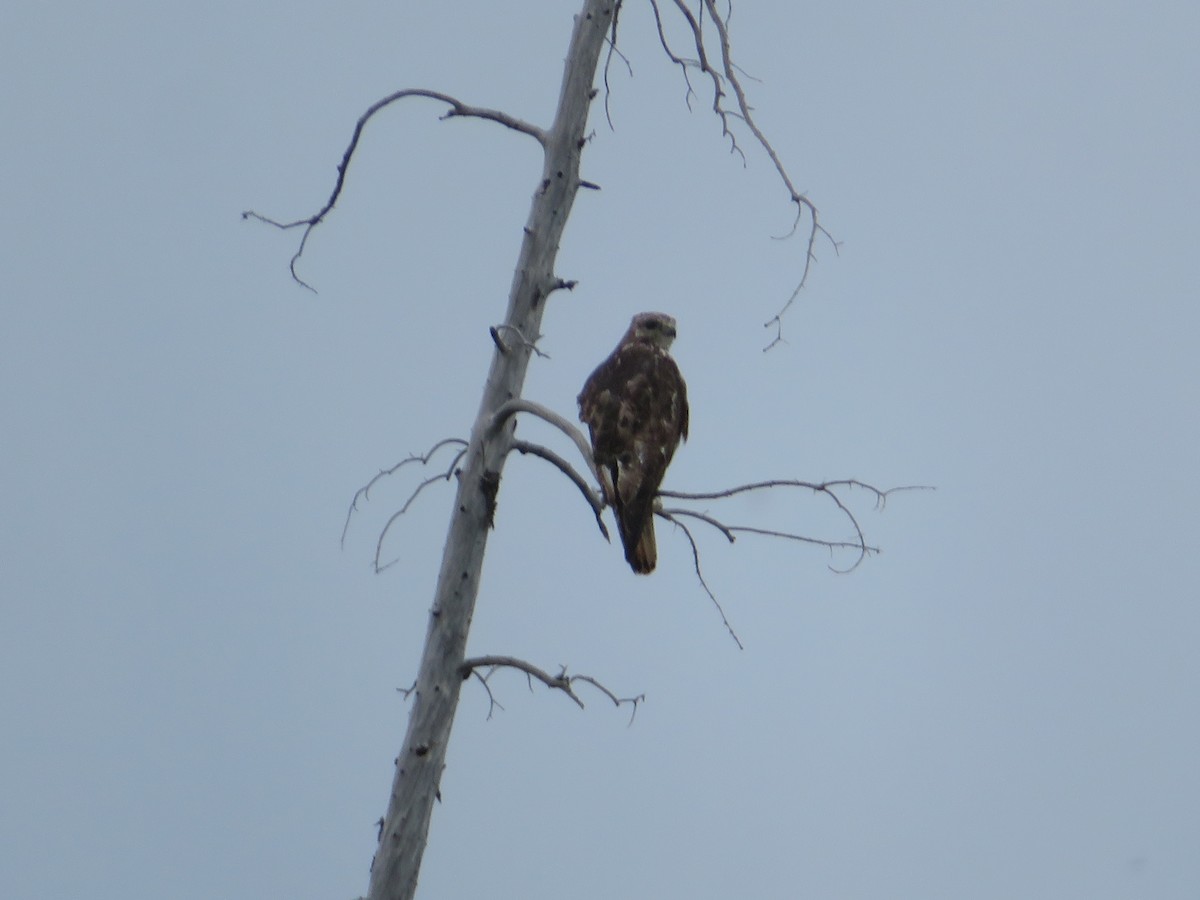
421 759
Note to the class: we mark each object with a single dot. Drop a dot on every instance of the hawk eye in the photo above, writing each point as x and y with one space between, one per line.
653 324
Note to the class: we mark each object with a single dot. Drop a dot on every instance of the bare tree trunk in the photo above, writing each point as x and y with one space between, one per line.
422 757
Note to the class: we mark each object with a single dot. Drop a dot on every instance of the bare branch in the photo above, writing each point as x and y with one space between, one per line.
803 204
579 481
503 345
718 105
617 701
550 417
493 703
828 489
458 109
595 499
669 515
728 72
612 50
730 532
879 494
684 64
364 492
379 567
560 682
707 519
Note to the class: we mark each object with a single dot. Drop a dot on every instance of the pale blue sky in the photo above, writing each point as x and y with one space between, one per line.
198 686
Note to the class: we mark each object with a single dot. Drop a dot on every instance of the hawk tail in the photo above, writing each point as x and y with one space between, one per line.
643 557
635 522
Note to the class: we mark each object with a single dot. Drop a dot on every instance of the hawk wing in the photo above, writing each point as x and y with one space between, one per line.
635 406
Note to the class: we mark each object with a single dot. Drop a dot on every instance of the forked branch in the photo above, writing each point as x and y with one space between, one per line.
724 72
458 110
594 498
831 490
364 492
550 417
828 489
560 682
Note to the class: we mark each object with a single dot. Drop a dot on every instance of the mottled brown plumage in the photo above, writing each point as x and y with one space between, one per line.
635 406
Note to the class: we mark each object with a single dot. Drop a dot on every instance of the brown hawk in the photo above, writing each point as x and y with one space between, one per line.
635 406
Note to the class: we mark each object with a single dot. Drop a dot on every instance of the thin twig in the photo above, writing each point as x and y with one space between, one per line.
703 517
684 64
880 494
827 488
612 50
803 204
380 567
617 701
731 532
700 576
579 481
718 106
493 703
458 109
504 347
729 72
364 492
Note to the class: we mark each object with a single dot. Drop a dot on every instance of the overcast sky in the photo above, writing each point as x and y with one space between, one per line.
199 687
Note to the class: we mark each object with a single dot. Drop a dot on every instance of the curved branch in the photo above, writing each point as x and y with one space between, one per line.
669 515
730 532
563 466
379 567
707 519
697 27
613 51
364 492
684 64
523 342
827 488
493 703
550 417
560 682
557 682
458 109
803 204
728 72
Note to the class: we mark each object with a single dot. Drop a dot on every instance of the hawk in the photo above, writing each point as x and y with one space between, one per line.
635 406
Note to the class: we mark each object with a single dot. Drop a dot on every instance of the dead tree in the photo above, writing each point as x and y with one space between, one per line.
478 461
440 675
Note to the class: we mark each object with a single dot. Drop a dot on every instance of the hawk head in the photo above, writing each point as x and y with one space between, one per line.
653 328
